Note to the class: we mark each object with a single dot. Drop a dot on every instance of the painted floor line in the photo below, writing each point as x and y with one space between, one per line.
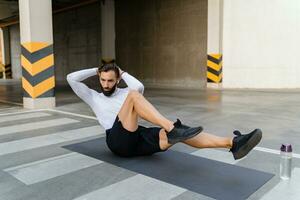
50 139
49 168
53 110
273 151
21 112
7 108
214 154
74 114
24 116
11 102
36 125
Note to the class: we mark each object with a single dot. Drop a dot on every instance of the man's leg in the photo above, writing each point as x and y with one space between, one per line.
206 140
136 105
202 140
240 145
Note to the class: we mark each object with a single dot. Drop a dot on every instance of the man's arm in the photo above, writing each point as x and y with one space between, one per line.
132 82
74 79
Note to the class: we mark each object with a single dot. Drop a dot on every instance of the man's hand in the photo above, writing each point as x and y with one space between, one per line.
120 70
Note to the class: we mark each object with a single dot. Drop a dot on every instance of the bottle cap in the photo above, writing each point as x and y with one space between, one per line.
286 148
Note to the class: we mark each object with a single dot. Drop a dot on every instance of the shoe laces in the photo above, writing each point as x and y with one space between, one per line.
237 133
177 123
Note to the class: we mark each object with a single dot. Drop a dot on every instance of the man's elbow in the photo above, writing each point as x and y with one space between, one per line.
69 77
141 89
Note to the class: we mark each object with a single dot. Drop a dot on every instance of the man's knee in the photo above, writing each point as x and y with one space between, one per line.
133 94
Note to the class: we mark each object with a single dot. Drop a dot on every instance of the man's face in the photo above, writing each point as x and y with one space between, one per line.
108 82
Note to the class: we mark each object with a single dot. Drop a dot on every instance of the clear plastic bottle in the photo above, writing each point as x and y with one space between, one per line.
286 161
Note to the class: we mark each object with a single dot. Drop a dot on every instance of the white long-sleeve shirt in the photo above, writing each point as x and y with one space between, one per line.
105 108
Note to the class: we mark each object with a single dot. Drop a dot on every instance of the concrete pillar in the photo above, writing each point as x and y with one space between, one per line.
5 49
214 26
1 44
15 52
214 43
108 34
37 58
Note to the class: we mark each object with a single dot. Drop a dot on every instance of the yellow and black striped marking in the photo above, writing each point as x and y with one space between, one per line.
5 71
8 72
214 68
37 69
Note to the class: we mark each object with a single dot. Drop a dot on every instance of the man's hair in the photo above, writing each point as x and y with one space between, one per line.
109 66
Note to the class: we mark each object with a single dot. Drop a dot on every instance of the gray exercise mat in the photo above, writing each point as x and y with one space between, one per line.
204 176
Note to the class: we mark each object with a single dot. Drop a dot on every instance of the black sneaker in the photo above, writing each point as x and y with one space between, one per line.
242 144
182 132
178 124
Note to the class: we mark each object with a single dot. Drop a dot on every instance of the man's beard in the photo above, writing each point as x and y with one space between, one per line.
109 92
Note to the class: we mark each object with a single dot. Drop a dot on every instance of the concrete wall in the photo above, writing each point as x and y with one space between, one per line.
163 42
77 40
261 44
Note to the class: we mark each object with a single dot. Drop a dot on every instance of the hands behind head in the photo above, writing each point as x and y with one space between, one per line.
120 70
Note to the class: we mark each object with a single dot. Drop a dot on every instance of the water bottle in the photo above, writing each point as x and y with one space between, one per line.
286 161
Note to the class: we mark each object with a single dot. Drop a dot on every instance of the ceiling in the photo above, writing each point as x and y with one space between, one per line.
9 9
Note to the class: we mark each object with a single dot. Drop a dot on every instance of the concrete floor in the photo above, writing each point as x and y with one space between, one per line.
34 166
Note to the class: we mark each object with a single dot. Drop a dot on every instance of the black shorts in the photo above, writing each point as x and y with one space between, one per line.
143 141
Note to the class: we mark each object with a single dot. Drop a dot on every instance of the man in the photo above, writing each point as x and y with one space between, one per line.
118 111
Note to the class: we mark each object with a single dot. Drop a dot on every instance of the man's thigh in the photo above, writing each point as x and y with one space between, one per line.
128 116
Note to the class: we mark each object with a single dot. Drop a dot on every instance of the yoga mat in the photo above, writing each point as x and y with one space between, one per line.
204 176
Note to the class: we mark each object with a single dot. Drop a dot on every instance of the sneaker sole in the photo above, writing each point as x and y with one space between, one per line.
252 142
180 139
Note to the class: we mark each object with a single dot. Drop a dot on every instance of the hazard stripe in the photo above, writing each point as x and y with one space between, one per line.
7 68
34 80
214 68
33 57
211 70
214 78
49 93
34 46
37 62
8 72
37 67
216 58
39 89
